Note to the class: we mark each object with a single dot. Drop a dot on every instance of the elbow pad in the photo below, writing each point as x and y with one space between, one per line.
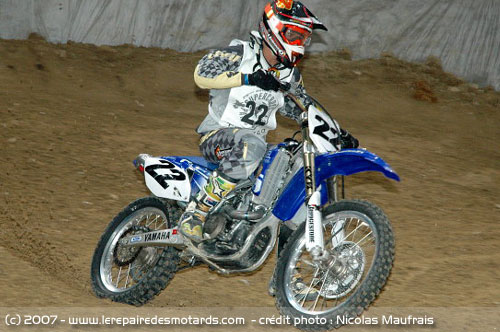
226 80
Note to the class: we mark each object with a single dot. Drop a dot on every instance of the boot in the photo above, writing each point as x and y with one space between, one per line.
217 187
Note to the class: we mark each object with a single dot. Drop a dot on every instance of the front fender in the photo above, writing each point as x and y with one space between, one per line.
345 162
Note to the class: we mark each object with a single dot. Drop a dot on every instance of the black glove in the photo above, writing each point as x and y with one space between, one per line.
263 80
347 141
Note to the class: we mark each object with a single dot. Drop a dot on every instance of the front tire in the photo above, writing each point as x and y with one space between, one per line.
360 242
135 275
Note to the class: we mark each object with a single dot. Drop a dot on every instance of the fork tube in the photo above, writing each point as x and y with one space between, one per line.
313 224
308 155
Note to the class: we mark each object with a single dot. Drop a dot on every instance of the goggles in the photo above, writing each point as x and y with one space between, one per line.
293 35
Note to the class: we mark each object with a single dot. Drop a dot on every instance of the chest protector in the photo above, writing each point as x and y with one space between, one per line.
249 106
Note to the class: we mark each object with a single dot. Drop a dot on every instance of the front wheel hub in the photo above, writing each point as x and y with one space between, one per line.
348 264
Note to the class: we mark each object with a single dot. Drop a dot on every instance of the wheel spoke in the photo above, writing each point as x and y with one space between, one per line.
350 237
364 238
334 234
353 231
310 286
349 224
128 275
154 220
308 262
320 290
323 302
163 223
118 278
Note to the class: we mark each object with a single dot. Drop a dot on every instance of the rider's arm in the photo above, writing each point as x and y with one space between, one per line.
219 69
290 109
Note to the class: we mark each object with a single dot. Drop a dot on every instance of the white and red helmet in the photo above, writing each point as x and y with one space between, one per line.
286 27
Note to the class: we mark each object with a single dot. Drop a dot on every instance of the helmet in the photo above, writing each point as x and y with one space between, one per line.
286 27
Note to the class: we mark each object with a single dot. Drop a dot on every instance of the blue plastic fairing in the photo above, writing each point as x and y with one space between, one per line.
345 162
200 161
197 168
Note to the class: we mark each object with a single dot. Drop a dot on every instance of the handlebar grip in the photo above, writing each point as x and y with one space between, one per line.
285 87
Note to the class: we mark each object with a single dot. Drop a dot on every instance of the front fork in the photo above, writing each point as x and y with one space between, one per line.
314 224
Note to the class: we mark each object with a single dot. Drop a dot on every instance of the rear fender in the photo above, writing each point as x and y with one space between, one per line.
345 162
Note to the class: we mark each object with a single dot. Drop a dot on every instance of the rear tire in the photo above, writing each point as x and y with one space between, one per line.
348 283
148 269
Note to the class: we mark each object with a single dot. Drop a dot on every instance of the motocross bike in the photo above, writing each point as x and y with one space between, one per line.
334 256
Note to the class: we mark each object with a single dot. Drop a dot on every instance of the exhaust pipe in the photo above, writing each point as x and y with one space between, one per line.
245 215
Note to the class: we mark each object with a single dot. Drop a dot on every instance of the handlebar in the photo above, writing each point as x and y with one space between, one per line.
286 89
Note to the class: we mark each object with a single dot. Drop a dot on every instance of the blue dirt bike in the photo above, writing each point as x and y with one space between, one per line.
334 256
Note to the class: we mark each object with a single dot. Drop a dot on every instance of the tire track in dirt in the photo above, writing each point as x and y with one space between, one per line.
23 236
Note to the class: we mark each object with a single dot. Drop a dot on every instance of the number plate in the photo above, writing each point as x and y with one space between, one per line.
323 130
167 180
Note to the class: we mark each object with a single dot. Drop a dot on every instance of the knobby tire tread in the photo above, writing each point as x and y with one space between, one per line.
371 285
157 278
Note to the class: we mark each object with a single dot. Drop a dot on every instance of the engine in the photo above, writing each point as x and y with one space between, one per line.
230 226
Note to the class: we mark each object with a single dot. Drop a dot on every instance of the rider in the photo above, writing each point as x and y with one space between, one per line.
244 82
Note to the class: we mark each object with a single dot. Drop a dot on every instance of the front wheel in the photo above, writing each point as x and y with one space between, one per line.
360 246
134 275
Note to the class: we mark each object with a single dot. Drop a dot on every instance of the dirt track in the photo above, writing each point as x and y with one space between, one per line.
73 117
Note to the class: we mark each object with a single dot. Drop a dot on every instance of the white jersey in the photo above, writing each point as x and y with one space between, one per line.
248 107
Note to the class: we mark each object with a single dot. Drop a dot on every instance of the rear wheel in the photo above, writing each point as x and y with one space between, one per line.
134 275
360 244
